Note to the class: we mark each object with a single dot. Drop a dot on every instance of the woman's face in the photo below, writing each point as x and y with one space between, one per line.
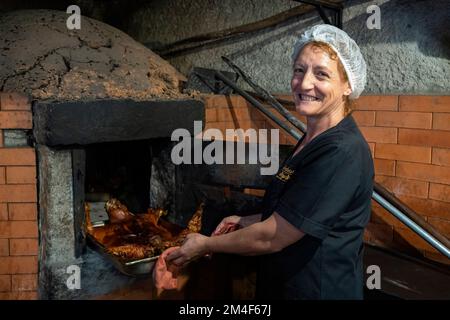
317 86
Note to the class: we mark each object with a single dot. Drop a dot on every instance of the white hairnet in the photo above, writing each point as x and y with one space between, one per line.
346 49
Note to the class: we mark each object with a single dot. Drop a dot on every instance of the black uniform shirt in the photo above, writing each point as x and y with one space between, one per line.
324 191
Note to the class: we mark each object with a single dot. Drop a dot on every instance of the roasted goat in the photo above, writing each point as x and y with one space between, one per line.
137 236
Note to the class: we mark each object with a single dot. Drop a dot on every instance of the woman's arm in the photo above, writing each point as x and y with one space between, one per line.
243 221
246 221
268 236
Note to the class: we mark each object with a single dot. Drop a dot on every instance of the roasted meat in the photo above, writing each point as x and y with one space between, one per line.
117 212
137 236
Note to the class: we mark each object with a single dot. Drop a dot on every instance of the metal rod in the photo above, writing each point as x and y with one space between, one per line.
336 9
258 105
326 4
323 15
411 224
267 96
283 102
411 214
424 234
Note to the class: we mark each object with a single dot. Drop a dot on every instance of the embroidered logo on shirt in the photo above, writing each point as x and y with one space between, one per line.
285 174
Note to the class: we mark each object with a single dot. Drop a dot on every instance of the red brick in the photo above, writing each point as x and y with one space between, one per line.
22 211
250 124
24 282
255 114
238 115
3 211
432 138
18 193
404 186
418 120
17 157
23 247
440 192
429 208
15 120
245 114
425 103
403 152
376 103
19 295
222 126
364 118
14 101
383 135
210 115
282 139
1 138
225 114
384 167
4 247
441 157
5 282
18 229
214 101
424 172
222 101
382 216
18 265
284 96
442 225
2 175
441 121
208 101
17 175
235 100
378 234
412 239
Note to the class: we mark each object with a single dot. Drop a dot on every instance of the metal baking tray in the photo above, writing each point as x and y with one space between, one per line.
133 268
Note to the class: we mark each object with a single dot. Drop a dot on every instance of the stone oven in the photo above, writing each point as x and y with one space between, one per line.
101 102
103 111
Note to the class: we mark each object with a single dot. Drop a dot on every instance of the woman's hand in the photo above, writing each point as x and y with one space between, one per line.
226 222
241 221
193 247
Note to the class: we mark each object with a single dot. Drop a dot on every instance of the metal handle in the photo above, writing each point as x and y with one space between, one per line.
411 224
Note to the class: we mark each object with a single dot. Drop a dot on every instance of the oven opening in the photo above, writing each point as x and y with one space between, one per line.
119 170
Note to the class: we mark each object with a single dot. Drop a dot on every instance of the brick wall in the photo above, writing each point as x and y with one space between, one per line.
409 137
18 209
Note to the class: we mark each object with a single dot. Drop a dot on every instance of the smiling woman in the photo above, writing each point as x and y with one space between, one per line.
325 56
315 209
